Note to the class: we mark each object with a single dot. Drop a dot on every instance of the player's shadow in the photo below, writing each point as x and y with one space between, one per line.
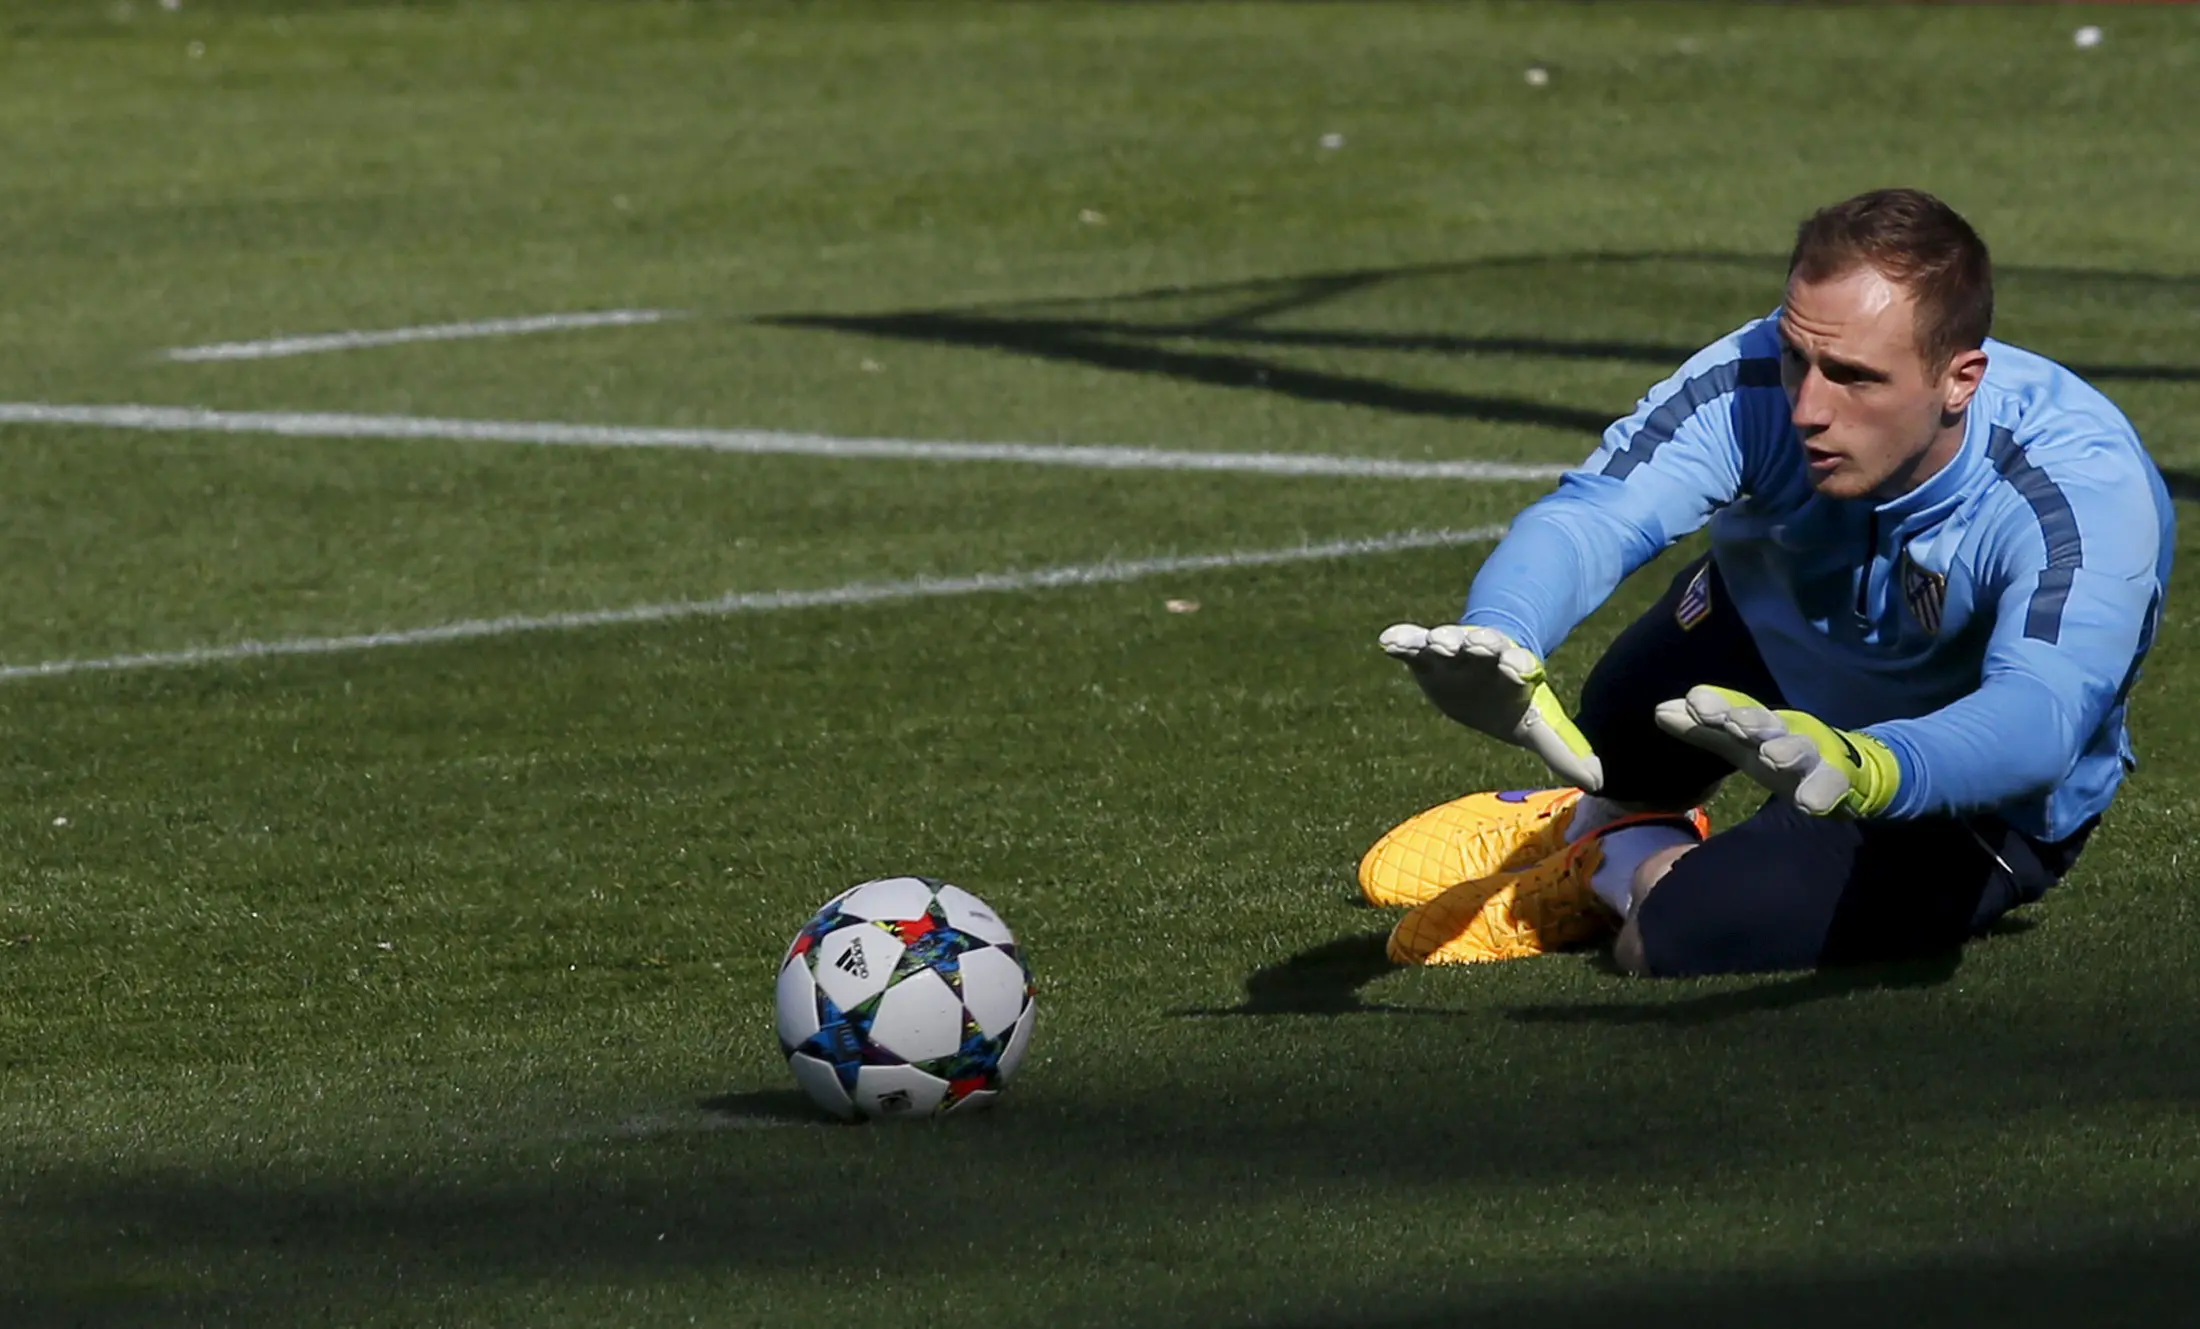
1124 347
1308 336
2141 1275
2184 486
1328 980
1658 1007
1321 980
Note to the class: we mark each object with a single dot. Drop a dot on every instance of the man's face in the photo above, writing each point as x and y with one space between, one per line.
1874 420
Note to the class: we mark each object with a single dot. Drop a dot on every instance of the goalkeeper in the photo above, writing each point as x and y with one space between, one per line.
1936 564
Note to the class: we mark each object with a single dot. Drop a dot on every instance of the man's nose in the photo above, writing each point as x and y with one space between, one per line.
1811 405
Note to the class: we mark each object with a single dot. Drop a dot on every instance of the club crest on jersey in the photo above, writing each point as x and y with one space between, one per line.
1695 605
1925 592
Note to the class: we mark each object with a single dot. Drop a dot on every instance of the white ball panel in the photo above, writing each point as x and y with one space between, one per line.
1019 1042
967 913
854 963
821 1084
888 898
797 999
973 1101
898 1091
919 1018
993 989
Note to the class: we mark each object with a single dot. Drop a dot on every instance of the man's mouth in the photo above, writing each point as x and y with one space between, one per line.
1821 460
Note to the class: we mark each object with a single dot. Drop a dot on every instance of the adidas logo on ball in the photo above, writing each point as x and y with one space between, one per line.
851 961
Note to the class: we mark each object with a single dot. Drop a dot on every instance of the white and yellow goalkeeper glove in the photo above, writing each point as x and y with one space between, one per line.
1823 770
1488 682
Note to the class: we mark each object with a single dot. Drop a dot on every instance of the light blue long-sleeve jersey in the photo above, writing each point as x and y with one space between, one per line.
1987 626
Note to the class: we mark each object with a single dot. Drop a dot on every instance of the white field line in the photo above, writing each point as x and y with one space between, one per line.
755 602
277 347
754 442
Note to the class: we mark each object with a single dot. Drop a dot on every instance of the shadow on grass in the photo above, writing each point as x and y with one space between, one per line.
1110 1164
1221 335
1772 994
1322 980
1122 347
2184 486
1327 980
2141 1281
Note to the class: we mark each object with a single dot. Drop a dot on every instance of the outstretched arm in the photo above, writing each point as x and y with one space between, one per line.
1659 475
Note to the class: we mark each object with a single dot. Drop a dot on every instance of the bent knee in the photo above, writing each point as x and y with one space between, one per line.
1627 951
1651 871
1697 924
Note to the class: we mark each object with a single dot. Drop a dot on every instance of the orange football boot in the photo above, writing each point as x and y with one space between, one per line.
1465 840
1548 905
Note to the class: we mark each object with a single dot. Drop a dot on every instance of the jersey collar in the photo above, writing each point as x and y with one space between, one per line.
1932 502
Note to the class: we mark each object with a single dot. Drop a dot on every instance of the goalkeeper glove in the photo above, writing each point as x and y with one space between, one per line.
1822 769
1488 682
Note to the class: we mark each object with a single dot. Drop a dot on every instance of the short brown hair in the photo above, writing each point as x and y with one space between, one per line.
1909 237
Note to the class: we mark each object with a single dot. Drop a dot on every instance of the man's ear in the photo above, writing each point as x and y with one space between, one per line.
1966 370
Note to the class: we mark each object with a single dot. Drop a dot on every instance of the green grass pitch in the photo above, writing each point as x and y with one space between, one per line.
430 984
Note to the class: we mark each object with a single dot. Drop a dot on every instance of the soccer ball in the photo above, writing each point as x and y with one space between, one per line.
904 997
